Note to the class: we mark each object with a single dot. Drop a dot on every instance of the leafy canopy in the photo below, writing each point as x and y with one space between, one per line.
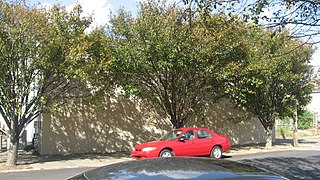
45 57
173 59
276 78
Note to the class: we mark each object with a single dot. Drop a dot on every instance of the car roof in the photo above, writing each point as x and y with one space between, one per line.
192 128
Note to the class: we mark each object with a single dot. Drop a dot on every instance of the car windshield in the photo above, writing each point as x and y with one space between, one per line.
172 135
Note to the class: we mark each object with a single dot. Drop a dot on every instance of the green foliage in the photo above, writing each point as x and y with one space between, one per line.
286 133
99 61
305 119
276 77
283 133
45 56
173 59
41 51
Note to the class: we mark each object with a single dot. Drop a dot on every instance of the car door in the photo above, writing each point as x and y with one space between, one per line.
185 147
204 142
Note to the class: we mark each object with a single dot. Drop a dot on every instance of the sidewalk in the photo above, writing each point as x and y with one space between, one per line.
27 161
305 143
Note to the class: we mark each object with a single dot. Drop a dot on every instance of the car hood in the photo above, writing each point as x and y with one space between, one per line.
178 168
153 144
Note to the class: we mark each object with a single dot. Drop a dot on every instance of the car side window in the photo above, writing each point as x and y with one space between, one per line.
202 134
189 135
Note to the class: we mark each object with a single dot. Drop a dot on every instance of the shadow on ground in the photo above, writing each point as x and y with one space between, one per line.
26 158
278 142
290 167
290 141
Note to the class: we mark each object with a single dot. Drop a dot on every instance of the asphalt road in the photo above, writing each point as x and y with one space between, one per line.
54 174
291 164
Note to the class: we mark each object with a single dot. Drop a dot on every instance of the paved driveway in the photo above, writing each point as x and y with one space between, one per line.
301 162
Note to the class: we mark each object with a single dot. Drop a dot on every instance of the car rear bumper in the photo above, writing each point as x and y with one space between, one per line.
226 147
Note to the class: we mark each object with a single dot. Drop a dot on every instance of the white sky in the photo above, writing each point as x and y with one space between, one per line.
316 58
100 9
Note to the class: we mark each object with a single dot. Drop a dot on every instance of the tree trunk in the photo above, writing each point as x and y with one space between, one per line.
268 124
295 126
177 123
269 138
295 138
12 152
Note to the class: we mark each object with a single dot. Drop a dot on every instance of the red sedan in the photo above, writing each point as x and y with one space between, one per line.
184 142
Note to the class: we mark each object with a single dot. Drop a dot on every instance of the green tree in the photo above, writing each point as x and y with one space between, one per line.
98 62
276 78
305 119
41 55
173 59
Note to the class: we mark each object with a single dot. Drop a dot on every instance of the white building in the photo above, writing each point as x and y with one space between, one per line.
314 106
26 138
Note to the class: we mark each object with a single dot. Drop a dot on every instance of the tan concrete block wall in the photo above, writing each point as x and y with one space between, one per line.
218 118
113 126
118 125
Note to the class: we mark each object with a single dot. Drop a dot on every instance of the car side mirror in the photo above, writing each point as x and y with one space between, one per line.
182 139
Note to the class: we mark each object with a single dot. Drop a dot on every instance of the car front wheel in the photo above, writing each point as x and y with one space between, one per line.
216 152
166 153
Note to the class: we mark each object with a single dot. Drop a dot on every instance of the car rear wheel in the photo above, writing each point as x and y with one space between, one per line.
216 152
166 153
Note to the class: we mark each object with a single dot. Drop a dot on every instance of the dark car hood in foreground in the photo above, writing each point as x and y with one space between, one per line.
177 168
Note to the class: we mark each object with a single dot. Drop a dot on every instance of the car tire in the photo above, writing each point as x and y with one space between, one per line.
166 153
216 152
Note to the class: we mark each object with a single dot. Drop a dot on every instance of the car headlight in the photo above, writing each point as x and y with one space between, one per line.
147 149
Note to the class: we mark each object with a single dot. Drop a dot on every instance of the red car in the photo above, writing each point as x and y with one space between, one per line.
184 142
